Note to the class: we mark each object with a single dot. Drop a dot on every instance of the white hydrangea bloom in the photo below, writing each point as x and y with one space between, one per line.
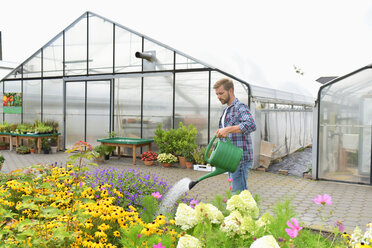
264 220
188 241
356 237
367 237
186 216
244 203
231 223
247 227
267 241
210 212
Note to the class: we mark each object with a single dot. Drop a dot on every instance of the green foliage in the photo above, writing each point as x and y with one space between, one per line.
150 206
283 212
5 127
181 141
198 154
45 145
2 159
100 150
23 149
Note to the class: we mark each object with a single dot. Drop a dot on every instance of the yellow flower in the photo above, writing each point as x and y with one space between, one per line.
117 234
100 234
146 231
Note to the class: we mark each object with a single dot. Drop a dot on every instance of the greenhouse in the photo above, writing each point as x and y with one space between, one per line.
97 77
344 144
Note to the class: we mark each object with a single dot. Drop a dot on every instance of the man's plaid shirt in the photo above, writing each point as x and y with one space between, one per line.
239 114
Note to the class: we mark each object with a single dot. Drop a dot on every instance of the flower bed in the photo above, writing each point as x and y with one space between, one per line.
46 206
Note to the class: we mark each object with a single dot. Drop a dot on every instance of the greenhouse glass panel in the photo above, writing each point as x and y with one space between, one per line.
192 102
13 118
76 48
241 92
126 46
345 125
32 68
53 102
12 86
53 58
127 108
183 62
157 103
75 112
98 111
164 57
100 45
31 100
16 73
216 107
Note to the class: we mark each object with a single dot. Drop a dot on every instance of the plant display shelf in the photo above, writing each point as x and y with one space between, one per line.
127 142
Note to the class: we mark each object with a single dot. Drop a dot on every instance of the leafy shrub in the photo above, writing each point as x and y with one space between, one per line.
23 149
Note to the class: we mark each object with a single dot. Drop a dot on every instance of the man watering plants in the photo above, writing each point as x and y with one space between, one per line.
236 123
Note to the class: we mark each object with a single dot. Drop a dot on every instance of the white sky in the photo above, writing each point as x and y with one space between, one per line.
258 41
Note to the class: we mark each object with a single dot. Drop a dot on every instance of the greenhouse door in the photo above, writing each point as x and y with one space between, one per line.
87 111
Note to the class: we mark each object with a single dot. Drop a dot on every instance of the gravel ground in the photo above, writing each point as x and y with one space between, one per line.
296 163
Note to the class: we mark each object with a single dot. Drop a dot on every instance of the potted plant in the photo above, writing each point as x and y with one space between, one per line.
149 157
167 159
23 150
4 145
32 145
2 159
101 153
108 150
53 144
45 146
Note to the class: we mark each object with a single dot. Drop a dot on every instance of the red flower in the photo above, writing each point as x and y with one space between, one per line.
149 156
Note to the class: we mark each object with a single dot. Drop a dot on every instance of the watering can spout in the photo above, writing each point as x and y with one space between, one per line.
218 171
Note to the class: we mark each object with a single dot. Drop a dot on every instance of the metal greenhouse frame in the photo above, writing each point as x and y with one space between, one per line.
344 129
94 51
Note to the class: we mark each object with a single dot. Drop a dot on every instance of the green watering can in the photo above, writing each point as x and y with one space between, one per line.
225 157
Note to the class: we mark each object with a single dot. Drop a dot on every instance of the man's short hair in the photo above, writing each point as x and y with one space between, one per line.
226 83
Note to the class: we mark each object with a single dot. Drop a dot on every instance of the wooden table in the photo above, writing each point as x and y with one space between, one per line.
127 142
38 138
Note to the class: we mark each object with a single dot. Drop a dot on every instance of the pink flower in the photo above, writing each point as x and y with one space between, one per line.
158 246
294 228
229 180
325 199
139 235
157 195
193 203
340 226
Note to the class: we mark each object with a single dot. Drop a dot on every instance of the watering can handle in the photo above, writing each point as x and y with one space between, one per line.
210 146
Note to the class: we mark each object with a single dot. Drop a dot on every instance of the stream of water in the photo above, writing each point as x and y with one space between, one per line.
170 198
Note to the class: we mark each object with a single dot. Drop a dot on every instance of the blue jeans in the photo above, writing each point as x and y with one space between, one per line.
240 176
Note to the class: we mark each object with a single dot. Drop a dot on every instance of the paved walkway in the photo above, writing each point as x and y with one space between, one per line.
352 204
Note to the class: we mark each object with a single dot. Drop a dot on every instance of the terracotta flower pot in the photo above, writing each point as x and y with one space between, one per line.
182 161
189 165
148 163
166 165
